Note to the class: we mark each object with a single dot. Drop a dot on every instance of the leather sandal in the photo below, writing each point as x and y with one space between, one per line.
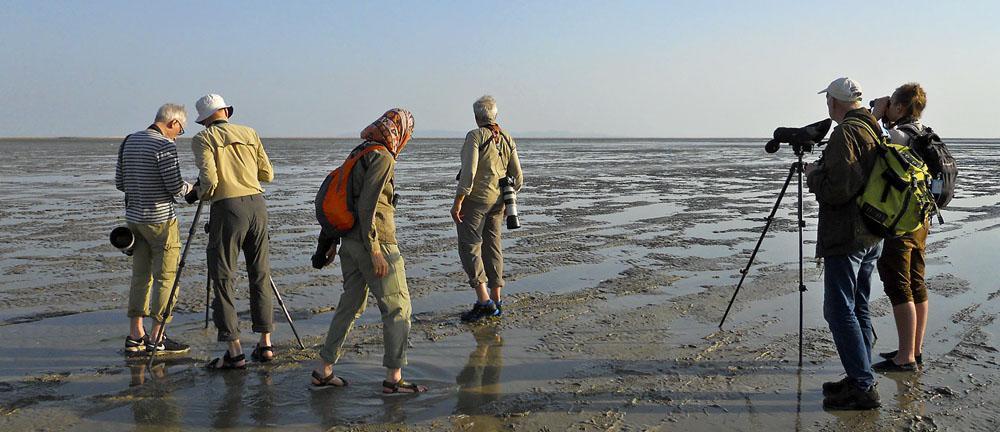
227 362
258 353
401 387
327 381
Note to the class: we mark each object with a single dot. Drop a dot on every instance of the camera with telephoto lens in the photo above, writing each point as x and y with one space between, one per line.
510 201
123 239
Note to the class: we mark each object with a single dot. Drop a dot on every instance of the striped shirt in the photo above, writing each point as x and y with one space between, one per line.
150 175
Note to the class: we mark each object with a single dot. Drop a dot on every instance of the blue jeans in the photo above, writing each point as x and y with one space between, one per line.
846 288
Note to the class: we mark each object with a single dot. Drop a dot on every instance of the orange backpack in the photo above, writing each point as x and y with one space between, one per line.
332 210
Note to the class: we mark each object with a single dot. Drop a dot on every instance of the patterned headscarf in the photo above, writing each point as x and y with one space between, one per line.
393 129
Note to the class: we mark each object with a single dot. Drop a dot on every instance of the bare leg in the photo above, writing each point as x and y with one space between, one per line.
136 331
482 293
918 341
495 293
155 330
393 375
906 327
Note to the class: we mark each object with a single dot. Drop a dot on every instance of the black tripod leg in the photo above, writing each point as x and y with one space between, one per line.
802 286
770 218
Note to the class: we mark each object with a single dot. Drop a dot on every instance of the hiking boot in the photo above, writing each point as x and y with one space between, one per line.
167 346
889 365
834 387
852 397
480 311
134 345
892 354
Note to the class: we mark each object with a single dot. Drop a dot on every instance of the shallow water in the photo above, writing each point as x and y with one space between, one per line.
598 216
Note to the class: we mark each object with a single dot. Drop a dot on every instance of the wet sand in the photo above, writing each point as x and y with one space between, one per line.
630 252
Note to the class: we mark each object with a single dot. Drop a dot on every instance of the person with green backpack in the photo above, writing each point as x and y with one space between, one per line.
901 266
846 245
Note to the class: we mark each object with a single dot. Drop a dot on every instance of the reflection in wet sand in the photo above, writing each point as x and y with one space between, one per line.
153 406
479 381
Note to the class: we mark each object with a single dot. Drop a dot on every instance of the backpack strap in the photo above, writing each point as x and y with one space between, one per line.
866 126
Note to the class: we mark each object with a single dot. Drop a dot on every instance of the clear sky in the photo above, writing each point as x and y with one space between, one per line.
632 69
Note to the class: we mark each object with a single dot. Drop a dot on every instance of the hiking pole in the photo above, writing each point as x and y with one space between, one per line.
208 297
177 280
288 317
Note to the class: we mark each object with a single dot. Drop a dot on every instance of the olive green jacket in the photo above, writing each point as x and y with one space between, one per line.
231 161
484 163
370 193
839 178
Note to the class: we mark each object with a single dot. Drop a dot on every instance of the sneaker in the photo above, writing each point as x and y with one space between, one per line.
851 397
889 365
830 388
167 346
892 354
480 311
134 345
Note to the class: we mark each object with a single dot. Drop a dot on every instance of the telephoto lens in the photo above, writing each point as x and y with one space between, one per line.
123 239
510 201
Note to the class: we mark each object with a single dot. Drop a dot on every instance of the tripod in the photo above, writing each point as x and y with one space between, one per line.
796 168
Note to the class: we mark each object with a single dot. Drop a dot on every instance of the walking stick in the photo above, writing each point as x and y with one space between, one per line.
281 303
177 280
208 297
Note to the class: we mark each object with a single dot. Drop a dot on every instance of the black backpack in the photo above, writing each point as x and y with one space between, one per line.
944 172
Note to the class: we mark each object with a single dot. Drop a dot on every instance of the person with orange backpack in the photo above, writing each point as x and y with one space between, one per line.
355 207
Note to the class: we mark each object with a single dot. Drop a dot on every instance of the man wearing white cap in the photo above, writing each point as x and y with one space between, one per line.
232 163
849 250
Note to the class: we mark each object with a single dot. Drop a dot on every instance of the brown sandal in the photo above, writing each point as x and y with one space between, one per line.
401 387
327 382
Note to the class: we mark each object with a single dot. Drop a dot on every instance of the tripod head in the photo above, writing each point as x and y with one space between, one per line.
801 139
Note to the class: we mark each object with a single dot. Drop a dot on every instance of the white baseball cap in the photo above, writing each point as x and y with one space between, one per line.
843 89
209 104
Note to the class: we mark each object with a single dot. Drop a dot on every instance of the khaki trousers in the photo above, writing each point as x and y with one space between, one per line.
154 268
479 243
390 292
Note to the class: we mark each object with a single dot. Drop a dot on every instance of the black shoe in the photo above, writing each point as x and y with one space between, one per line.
480 311
891 355
889 365
134 345
830 388
852 397
167 346
499 305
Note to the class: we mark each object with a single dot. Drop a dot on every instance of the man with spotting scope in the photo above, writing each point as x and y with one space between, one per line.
847 247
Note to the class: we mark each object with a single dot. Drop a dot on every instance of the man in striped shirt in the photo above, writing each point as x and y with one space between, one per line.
149 174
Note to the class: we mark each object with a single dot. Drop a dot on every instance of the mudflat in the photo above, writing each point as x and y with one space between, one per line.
628 255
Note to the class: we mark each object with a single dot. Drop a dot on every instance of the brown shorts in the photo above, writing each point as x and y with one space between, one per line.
901 268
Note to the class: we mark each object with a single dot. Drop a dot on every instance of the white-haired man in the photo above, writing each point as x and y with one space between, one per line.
848 249
232 163
488 155
149 174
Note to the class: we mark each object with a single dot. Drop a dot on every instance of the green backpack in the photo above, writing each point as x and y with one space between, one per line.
896 200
